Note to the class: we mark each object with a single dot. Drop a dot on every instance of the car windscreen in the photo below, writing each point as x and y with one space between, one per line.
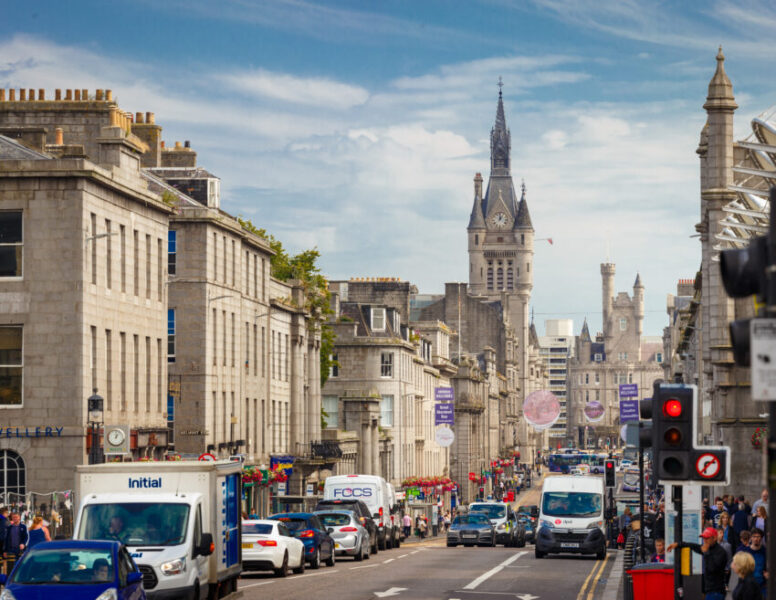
257 528
334 519
571 504
136 523
294 524
493 511
471 519
65 566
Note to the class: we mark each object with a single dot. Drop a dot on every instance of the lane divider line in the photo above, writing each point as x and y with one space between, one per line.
385 562
594 583
403 556
488 574
364 567
597 564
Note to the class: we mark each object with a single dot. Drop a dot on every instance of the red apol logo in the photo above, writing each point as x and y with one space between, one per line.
557 521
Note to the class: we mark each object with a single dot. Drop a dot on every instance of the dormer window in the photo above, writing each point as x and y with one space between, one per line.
396 321
378 319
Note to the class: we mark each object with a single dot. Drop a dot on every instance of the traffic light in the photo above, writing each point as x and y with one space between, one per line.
673 412
609 472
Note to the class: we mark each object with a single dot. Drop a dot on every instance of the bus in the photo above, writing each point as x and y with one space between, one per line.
563 462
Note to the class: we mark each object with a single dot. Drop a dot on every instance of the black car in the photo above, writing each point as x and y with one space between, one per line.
308 529
472 529
361 510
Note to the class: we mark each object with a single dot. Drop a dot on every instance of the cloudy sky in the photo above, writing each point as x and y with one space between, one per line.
357 127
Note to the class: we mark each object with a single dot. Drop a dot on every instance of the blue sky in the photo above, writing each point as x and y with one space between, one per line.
357 127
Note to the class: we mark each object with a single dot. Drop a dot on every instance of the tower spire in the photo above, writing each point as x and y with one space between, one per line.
500 139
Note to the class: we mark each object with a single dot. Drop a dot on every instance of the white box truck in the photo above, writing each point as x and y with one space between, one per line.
180 521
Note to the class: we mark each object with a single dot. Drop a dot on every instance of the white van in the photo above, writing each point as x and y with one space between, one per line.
374 492
571 516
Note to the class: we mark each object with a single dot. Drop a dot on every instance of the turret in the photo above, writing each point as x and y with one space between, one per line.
720 105
638 304
607 287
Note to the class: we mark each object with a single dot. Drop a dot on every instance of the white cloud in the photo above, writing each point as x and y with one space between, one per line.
311 91
556 139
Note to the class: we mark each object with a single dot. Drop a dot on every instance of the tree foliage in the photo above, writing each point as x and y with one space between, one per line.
304 267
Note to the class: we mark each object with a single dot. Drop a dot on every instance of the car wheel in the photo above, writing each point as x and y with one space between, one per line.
300 569
381 545
332 559
521 544
315 562
283 570
374 547
397 542
451 544
195 592
359 556
539 554
368 552
602 554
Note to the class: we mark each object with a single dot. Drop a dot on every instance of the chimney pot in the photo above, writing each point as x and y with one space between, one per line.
31 94
162 144
22 95
77 95
109 95
178 145
84 95
2 94
12 95
150 118
99 95
41 94
57 94
68 94
187 144
139 117
58 137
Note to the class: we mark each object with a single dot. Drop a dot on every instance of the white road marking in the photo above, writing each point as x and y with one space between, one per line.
402 556
389 592
385 562
487 575
243 587
364 567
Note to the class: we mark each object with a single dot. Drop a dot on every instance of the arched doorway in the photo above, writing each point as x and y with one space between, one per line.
13 476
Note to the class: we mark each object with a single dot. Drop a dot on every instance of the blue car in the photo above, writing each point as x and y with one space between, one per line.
74 570
307 527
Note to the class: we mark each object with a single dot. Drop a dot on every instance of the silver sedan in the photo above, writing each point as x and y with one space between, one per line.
350 537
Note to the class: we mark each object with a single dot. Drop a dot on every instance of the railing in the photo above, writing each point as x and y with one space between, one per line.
326 449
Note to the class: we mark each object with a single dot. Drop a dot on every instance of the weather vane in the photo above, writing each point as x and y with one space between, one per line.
500 84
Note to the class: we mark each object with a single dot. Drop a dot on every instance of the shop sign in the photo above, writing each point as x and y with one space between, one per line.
30 432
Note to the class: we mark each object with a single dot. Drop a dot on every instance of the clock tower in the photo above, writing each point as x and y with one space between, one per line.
501 239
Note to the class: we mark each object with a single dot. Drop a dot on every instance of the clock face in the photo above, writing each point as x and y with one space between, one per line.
499 220
116 437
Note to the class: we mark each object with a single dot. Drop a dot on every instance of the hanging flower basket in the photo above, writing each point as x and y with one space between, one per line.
759 437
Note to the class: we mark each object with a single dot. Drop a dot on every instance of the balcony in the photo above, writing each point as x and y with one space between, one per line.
326 451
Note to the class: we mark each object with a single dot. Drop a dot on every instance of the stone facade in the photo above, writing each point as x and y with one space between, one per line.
91 297
557 348
619 355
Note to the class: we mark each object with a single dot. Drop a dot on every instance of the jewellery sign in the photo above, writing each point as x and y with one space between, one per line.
116 440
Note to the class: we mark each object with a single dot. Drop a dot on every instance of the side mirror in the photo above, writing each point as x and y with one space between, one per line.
330 529
376 516
132 578
206 546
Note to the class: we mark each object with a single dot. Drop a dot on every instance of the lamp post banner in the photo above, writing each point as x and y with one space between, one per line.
444 394
629 411
629 390
444 413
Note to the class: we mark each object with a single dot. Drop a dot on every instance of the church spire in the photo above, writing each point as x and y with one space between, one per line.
500 139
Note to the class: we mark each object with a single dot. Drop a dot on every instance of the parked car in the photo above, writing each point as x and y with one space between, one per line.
318 545
269 545
529 509
75 570
504 520
528 526
350 537
361 510
470 530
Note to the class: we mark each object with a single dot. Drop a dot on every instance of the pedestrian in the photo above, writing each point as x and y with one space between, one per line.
422 527
15 537
743 539
747 588
728 550
741 518
660 521
660 551
729 533
717 510
38 532
4 523
763 501
758 552
714 563
407 523
760 519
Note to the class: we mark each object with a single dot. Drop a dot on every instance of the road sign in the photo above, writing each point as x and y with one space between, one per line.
629 411
707 466
444 413
444 394
763 349
445 436
207 457
629 390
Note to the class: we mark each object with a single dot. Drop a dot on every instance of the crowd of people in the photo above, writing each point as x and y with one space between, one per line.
732 543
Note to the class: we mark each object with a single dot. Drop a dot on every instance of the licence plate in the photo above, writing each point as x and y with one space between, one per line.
569 545
247 545
469 537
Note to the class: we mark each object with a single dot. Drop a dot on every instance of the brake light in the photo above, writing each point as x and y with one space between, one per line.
380 512
266 542
307 533
349 529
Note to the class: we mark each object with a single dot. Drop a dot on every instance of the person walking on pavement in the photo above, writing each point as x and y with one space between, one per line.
38 532
714 563
747 588
407 523
4 523
763 501
758 552
15 537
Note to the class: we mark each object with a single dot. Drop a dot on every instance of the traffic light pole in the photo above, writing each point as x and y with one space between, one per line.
676 499
642 512
770 312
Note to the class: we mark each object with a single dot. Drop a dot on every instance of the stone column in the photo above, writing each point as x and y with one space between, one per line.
375 448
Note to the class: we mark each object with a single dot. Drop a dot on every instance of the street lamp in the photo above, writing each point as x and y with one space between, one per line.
95 416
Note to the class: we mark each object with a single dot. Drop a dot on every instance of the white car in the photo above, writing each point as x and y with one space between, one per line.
269 546
624 464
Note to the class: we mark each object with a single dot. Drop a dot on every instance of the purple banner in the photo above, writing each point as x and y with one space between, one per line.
444 413
629 390
629 411
444 394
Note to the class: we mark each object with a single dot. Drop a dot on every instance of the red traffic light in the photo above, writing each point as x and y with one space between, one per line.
672 408
609 464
